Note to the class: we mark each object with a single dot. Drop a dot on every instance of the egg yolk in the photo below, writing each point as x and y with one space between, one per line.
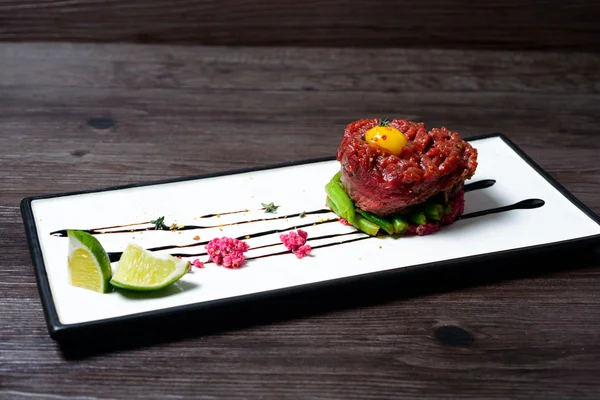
386 137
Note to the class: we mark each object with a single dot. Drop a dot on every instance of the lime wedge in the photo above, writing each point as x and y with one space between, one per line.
139 269
89 266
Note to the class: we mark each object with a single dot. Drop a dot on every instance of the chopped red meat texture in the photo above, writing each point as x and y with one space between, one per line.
431 162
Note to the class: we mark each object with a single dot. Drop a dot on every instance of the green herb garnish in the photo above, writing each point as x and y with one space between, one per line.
384 122
302 214
159 223
270 208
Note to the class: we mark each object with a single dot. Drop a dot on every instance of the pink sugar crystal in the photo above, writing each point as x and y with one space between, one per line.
197 263
227 252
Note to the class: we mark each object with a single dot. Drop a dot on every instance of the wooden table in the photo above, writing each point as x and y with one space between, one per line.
76 117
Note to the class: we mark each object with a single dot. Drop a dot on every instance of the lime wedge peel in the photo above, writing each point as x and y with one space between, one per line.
88 263
141 270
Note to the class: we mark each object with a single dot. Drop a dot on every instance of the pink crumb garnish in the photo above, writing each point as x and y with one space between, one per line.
227 252
303 251
197 263
296 242
344 222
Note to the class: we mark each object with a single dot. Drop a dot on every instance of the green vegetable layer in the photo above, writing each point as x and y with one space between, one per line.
369 223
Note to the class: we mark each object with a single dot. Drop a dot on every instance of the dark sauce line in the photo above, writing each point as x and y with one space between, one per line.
271 231
243 237
258 234
276 217
275 244
63 232
121 226
227 213
224 213
525 204
482 184
116 255
173 246
522 205
314 247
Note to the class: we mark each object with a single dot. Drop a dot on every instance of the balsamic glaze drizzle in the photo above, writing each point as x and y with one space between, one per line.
63 232
319 246
115 256
482 184
522 205
278 244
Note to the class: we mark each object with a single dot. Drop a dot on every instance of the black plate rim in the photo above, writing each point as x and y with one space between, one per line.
59 331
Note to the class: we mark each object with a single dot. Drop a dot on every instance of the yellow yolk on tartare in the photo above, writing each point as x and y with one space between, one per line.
386 137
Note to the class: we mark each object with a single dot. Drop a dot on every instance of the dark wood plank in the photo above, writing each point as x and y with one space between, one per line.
78 117
382 23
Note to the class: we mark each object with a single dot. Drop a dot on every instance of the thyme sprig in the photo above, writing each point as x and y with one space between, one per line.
270 208
159 223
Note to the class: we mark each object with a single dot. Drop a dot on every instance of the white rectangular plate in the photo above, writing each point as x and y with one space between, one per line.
269 268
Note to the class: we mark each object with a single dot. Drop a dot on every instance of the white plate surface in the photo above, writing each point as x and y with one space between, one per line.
296 189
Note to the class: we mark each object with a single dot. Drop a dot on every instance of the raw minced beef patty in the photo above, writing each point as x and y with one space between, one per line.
431 162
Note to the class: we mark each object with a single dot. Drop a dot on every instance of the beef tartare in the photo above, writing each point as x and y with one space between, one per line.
400 177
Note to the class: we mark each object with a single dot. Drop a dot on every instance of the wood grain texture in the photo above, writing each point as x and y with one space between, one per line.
551 24
78 117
